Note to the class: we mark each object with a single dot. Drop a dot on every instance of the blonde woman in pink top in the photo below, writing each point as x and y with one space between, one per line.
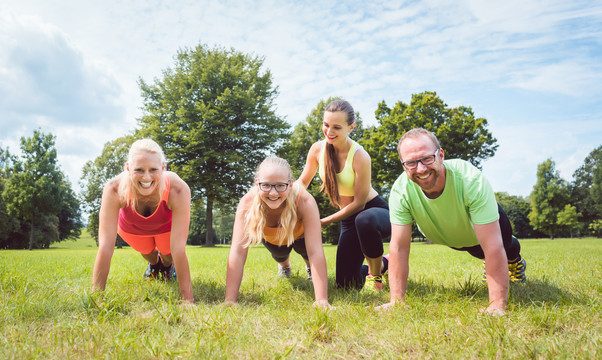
150 209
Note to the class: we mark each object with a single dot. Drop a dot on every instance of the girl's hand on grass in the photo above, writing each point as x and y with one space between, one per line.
390 305
323 304
493 311
187 304
229 303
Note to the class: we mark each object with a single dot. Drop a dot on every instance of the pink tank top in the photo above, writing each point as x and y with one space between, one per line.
158 222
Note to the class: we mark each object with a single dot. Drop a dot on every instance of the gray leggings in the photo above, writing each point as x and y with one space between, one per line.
281 253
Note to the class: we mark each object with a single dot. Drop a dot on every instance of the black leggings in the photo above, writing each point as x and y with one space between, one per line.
511 244
281 253
361 235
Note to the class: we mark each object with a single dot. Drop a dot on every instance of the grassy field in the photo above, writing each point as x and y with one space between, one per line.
47 312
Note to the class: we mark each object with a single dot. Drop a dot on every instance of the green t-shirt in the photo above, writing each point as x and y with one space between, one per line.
467 199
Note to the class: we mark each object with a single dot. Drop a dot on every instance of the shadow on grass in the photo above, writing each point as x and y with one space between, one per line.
531 292
542 292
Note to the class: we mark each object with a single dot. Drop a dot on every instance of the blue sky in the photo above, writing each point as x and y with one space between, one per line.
533 69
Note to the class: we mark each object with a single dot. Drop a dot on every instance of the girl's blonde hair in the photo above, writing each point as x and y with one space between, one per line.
255 220
127 196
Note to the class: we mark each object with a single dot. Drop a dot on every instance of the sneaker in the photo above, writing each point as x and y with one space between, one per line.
517 271
284 272
152 272
373 283
169 273
308 273
385 272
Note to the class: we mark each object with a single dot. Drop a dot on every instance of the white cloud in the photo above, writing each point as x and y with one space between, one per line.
546 50
47 83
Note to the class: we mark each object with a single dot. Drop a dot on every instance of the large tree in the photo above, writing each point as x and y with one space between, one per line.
461 134
9 225
517 208
213 114
38 193
95 174
295 151
586 193
548 198
568 218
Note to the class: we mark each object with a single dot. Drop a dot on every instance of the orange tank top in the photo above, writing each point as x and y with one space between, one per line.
159 222
270 234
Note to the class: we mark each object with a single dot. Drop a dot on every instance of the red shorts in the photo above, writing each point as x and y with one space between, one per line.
146 244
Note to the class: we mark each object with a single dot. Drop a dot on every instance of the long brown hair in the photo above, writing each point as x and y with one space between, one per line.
331 163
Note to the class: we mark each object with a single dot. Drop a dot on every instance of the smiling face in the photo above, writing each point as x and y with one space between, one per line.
335 127
145 170
430 178
273 175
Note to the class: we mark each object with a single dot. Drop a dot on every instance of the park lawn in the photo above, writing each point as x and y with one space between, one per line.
47 312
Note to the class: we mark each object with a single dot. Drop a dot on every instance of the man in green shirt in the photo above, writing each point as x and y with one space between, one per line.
452 204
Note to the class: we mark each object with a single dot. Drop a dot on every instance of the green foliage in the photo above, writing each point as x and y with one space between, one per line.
596 228
213 114
568 218
517 208
548 198
9 225
295 150
460 133
97 173
38 193
585 188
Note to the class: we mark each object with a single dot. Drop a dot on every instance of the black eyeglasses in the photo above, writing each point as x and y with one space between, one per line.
280 187
427 160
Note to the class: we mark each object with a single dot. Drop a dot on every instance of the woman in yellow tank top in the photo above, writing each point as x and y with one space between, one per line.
345 170
283 216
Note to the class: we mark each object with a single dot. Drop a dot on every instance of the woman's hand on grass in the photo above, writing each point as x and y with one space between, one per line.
492 311
392 304
323 304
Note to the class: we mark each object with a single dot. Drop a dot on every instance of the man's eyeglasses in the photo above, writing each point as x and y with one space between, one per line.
280 187
427 160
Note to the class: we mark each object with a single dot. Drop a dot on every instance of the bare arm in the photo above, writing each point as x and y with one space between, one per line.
361 188
496 265
308 211
311 165
107 234
399 268
179 203
238 253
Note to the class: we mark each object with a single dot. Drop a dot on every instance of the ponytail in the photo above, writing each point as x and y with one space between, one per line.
331 164
330 185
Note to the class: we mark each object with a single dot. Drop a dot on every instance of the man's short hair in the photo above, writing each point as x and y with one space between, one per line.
417 132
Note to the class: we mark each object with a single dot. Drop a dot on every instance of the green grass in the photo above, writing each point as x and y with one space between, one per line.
47 311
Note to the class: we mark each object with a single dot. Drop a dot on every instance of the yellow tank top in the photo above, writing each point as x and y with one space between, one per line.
346 178
270 234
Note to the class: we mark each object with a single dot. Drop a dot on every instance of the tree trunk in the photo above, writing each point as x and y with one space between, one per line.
31 236
209 223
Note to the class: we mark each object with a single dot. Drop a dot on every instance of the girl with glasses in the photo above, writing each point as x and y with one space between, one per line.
345 169
283 216
150 209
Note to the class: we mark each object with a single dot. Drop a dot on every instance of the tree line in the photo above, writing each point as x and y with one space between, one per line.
213 113
38 206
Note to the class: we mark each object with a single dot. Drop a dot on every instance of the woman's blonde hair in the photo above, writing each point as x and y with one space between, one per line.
127 196
255 220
